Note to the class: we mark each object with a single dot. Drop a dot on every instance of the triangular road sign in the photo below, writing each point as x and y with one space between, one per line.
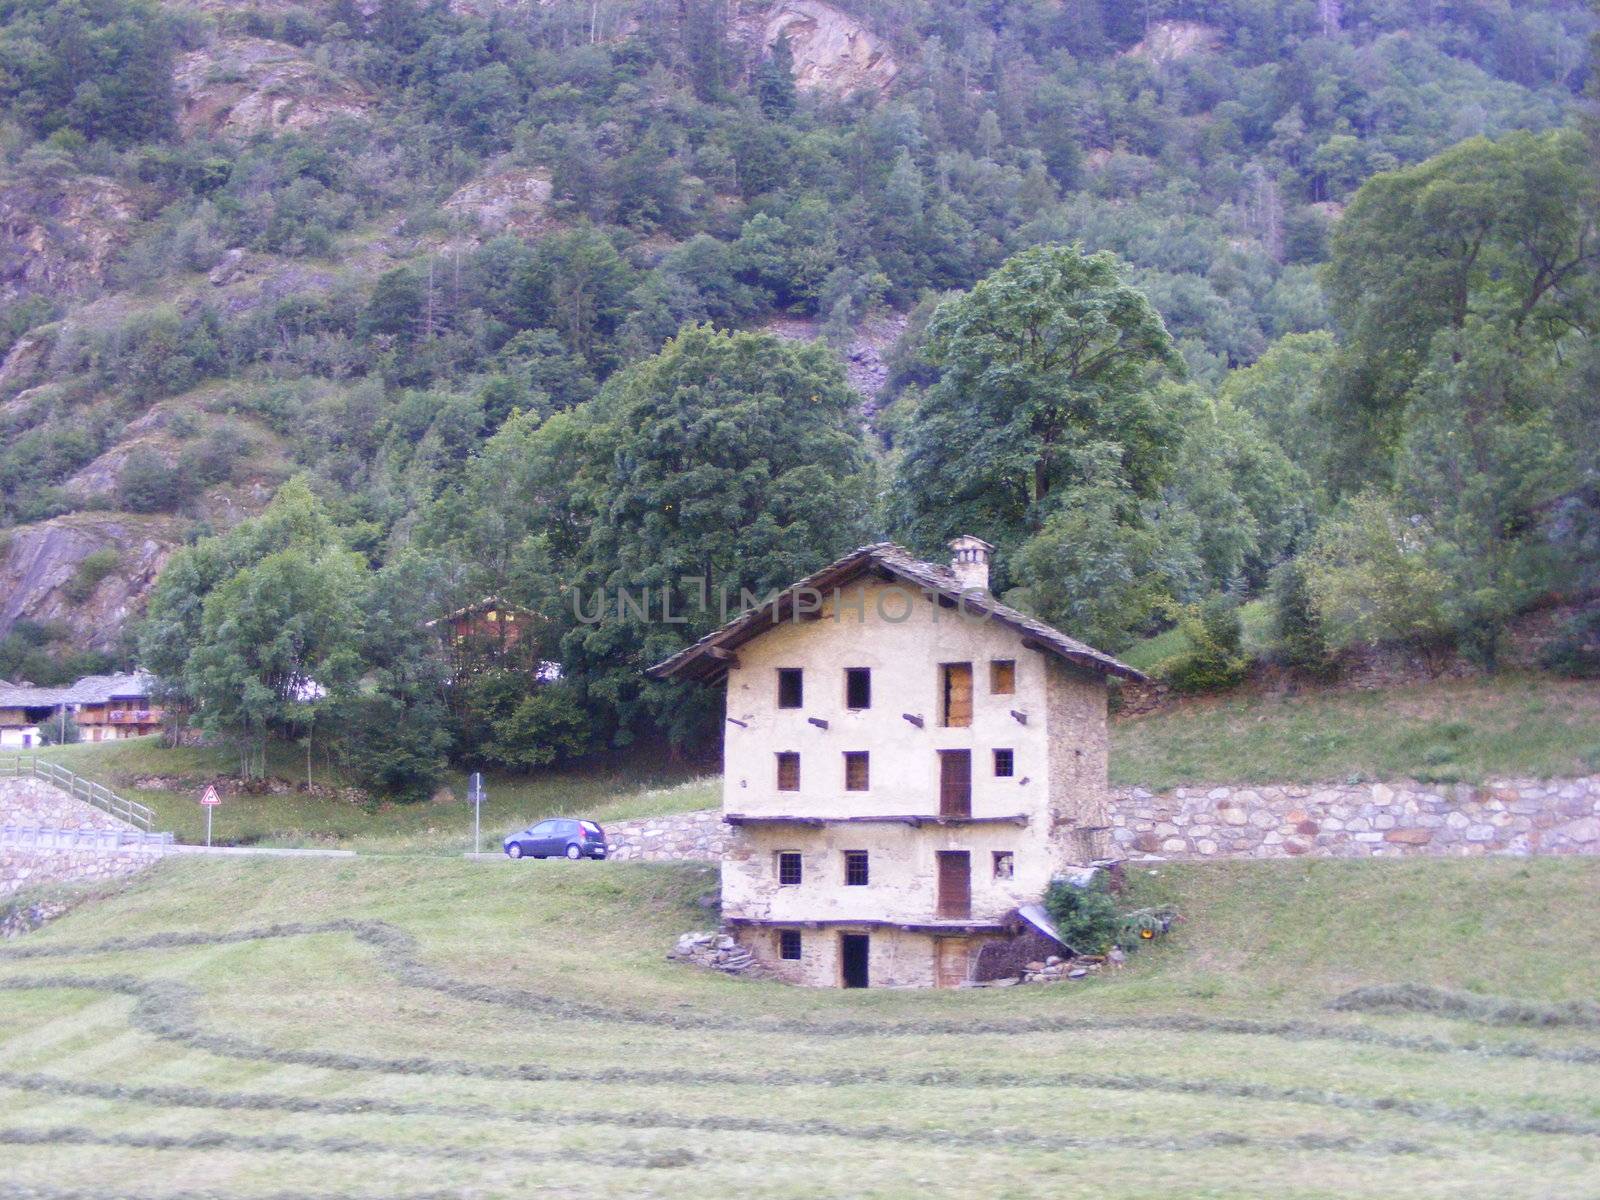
209 797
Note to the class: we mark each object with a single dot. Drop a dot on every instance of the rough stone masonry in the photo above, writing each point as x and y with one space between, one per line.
27 805
1330 820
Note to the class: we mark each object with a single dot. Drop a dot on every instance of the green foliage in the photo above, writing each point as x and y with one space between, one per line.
1371 581
1091 921
1575 650
91 569
148 483
1213 660
1298 638
100 68
58 731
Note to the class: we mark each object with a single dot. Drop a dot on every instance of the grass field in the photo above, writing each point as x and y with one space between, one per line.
1452 730
438 1027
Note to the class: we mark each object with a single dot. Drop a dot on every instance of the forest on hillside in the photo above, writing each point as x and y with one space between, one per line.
1194 305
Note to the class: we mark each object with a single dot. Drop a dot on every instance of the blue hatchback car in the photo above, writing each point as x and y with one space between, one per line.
560 838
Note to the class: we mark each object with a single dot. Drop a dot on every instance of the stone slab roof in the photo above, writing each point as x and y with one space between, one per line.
91 689
706 659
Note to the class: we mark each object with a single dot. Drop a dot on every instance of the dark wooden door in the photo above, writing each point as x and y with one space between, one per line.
955 783
955 883
854 952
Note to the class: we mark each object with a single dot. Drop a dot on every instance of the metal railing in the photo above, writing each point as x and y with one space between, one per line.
45 837
87 790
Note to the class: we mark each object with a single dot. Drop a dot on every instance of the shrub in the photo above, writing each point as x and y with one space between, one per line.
1298 638
150 484
1575 650
91 570
58 731
1090 922
1214 660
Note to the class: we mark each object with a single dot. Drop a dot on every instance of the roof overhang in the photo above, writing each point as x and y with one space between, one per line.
709 659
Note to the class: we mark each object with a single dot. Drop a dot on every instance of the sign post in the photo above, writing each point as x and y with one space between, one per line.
209 801
475 794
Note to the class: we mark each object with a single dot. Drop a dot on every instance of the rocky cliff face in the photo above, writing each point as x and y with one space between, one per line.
58 233
38 564
240 86
833 52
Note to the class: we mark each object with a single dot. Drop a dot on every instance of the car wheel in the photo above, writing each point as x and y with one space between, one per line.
513 851
573 852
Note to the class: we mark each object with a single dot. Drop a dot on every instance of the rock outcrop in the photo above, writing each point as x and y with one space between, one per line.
38 563
834 53
240 86
59 233
511 200
1168 41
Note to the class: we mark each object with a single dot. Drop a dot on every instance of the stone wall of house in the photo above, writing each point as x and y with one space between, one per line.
690 835
1507 816
35 804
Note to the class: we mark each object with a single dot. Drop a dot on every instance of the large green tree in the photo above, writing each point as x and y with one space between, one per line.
1502 232
1047 379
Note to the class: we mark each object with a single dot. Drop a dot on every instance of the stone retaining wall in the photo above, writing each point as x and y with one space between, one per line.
690 835
1510 816
34 804
21 868
30 802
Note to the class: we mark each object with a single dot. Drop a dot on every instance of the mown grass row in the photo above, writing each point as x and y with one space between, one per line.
397 954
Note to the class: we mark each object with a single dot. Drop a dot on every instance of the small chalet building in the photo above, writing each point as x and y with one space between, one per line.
908 763
104 708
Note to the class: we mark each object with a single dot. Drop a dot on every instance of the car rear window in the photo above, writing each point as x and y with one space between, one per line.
590 826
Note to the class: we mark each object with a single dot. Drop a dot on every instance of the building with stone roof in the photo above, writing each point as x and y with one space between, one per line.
908 763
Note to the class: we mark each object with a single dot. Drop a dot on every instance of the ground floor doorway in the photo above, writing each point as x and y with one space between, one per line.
854 950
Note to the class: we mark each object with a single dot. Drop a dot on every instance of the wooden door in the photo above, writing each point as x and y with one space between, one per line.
952 962
957 698
955 783
955 883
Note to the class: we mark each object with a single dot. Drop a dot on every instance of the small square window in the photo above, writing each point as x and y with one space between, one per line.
855 868
858 687
1004 864
1004 764
1003 676
789 944
791 687
856 771
789 871
788 771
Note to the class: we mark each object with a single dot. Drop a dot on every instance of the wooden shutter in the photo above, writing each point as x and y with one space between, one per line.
955 883
955 783
856 777
788 771
957 694
1003 676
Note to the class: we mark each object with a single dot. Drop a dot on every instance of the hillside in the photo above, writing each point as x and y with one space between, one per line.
286 249
428 1025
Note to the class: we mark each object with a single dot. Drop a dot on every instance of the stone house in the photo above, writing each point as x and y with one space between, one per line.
907 764
104 708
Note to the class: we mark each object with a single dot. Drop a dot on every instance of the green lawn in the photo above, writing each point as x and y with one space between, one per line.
501 1029
1447 731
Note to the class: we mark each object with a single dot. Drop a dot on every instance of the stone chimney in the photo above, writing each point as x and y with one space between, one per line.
969 559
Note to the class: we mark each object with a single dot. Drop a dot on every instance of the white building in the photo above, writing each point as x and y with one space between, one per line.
908 763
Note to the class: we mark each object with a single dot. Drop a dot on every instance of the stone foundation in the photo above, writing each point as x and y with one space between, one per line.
35 804
1510 816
